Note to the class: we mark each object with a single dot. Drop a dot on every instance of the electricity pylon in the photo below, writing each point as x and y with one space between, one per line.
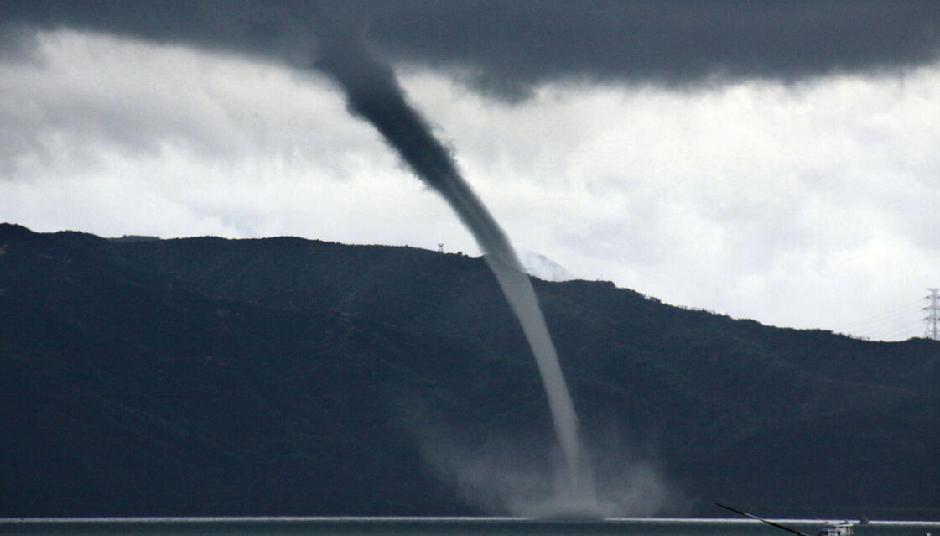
933 314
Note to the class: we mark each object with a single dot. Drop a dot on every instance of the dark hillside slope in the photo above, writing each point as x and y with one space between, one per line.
280 376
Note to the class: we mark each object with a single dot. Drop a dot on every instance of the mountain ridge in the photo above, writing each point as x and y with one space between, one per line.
243 359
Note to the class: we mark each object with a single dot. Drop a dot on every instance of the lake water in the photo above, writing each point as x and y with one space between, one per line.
437 526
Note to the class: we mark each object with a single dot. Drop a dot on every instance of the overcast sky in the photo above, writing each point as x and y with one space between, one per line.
775 163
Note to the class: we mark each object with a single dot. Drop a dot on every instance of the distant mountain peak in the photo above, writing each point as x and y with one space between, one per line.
540 266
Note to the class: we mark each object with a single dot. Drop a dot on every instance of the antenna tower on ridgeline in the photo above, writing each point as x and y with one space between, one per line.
933 314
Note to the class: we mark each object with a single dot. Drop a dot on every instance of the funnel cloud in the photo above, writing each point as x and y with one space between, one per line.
373 93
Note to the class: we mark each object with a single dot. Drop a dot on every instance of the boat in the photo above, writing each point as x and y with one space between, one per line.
835 528
844 528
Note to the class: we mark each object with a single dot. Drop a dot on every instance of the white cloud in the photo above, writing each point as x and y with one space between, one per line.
807 206
802 206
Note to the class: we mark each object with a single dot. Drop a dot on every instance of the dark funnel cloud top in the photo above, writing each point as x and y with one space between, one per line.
508 47
373 93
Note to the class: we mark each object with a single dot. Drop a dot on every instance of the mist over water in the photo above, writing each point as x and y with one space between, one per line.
511 472
372 92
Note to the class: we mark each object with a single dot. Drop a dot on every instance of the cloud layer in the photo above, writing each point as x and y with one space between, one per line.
509 48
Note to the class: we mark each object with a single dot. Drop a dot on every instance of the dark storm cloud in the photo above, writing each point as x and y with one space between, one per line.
272 29
510 46
513 45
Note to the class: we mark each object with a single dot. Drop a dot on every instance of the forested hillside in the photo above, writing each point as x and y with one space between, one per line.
206 376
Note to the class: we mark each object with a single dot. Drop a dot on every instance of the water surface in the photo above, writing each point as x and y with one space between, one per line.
436 527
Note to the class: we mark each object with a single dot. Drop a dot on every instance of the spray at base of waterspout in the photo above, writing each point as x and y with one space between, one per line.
575 495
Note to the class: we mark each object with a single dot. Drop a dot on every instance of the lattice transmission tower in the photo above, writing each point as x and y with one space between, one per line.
933 314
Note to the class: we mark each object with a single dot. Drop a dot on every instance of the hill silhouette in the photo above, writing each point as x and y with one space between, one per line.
205 376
